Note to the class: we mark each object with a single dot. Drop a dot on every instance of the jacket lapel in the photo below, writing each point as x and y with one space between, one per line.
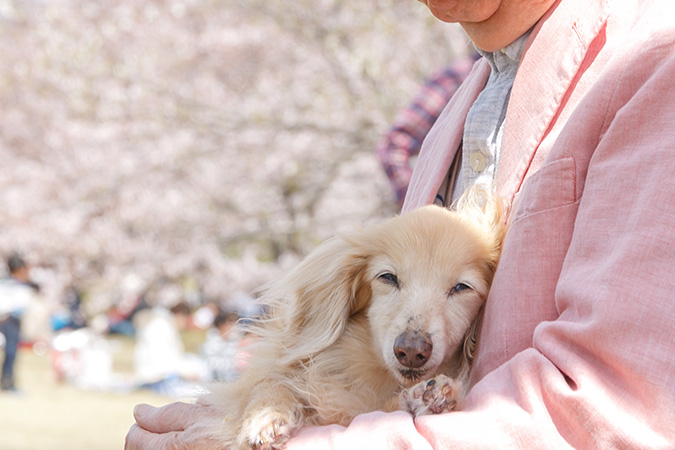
539 90
441 144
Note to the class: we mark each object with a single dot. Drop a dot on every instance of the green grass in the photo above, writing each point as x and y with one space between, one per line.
48 415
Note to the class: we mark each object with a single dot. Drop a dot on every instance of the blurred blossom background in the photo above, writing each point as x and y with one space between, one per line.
180 152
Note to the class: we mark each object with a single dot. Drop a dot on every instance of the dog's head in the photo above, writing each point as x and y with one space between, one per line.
420 278
429 275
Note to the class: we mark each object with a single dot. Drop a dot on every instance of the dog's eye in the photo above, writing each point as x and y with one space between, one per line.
389 278
459 287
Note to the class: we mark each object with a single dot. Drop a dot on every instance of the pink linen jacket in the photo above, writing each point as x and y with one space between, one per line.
577 345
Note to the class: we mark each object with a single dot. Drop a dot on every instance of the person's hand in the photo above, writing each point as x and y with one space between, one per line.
174 426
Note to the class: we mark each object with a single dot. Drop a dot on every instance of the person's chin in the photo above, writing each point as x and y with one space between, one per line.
458 11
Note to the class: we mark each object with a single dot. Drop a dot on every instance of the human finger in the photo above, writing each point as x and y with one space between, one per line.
139 439
172 417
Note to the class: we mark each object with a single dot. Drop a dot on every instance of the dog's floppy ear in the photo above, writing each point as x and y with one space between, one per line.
469 347
465 360
315 300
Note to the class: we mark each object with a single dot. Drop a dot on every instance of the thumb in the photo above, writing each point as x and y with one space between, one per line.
172 417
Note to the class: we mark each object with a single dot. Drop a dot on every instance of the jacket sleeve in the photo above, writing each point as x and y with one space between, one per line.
602 375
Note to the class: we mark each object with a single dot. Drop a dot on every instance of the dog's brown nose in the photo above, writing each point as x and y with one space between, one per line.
413 349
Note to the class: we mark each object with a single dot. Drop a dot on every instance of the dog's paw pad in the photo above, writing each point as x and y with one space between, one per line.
433 396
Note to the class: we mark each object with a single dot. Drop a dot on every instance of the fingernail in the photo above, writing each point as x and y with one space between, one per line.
140 409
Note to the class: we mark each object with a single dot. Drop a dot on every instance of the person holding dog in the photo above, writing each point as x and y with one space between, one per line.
569 115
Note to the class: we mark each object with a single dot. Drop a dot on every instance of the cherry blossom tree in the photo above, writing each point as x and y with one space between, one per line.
216 141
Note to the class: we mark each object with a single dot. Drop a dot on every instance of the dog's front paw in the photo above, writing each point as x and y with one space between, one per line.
271 437
433 396
267 430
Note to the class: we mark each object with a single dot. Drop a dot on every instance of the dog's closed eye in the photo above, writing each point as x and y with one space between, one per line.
389 278
459 287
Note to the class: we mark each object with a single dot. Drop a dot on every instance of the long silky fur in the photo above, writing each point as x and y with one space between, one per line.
315 361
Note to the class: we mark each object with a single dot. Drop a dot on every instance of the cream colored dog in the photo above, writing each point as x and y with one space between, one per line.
376 320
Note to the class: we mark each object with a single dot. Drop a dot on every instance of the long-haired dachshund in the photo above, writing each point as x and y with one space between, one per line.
380 319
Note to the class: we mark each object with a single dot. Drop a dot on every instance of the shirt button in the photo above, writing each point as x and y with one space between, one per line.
477 162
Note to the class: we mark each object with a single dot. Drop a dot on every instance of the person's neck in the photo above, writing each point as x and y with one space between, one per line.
507 58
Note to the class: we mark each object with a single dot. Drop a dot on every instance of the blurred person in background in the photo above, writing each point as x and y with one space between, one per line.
70 315
397 149
36 326
570 115
120 319
16 294
221 348
160 361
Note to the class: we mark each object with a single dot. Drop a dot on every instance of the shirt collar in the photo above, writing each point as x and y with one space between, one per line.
508 57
